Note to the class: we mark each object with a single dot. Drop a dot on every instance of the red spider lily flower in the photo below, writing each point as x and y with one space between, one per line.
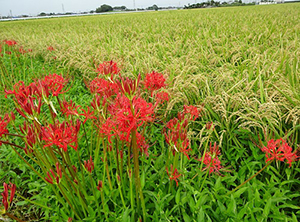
32 135
279 150
57 176
61 135
30 106
107 129
40 89
192 110
100 185
69 108
120 153
23 92
107 68
55 83
128 86
3 125
211 159
184 147
10 42
176 135
22 50
87 114
154 81
89 165
98 102
12 116
174 176
5 201
141 143
103 87
210 125
58 170
161 97
50 48
74 168
131 116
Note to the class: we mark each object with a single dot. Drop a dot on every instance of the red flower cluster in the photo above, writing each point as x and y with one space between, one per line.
177 134
3 125
55 83
107 68
10 42
69 108
21 91
211 159
56 176
125 116
161 97
29 97
89 165
61 135
192 111
127 86
103 87
100 185
174 176
279 150
5 201
154 81
129 116
50 48
142 145
32 135
87 114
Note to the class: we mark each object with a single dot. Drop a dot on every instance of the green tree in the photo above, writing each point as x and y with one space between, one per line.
155 7
104 8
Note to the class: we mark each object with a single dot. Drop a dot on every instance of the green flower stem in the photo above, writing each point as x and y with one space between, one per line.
68 181
55 159
116 157
94 193
83 204
138 186
205 148
68 201
207 172
120 191
246 181
81 168
131 190
79 188
106 165
52 115
103 202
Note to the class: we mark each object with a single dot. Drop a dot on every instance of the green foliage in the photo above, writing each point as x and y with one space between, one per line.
104 8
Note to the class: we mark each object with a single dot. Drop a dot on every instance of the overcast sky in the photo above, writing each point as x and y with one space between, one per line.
34 7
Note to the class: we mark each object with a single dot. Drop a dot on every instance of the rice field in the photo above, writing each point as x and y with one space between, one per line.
238 65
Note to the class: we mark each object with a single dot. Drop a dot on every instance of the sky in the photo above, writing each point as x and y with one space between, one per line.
34 7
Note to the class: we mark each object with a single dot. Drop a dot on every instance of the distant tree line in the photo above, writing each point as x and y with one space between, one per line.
108 8
213 3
